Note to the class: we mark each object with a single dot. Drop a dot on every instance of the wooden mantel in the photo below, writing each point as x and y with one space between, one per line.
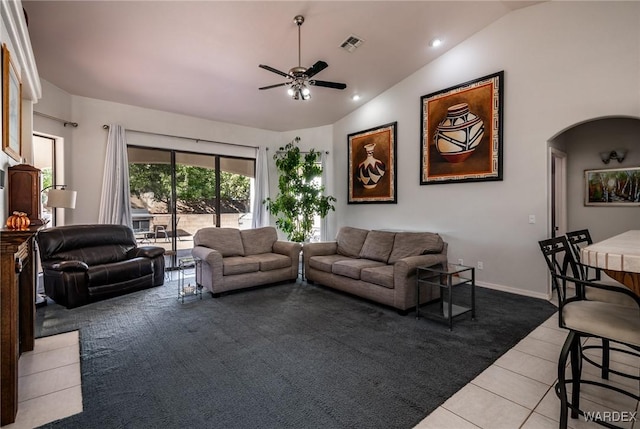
17 312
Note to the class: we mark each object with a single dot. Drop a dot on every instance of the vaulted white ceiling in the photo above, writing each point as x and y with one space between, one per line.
200 58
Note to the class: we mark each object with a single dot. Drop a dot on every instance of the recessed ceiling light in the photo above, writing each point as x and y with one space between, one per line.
356 97
435 43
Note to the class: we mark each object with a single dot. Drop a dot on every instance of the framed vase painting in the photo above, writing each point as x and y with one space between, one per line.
461 135
372 165
11 107
612 187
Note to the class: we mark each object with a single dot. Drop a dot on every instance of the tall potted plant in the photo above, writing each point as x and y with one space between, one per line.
300 196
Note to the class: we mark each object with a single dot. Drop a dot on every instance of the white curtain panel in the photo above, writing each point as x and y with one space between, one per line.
261 184
323 222
115 207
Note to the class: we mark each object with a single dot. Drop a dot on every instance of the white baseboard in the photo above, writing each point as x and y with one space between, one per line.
509 289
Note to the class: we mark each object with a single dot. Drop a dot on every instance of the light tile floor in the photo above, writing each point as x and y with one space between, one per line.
49 385
516 392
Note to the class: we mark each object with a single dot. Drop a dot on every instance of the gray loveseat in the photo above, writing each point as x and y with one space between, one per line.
236 259
377 265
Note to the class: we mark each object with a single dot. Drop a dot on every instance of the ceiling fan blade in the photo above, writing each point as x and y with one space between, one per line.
334 85
276 71
316 68
273 86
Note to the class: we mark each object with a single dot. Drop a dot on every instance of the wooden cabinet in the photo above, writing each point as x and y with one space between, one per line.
24 191
17 311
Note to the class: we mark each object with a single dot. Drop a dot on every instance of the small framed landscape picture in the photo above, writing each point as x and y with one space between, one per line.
372 165
612 187
11 107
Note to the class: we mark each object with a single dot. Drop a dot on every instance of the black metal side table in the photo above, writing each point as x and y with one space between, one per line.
446 277
189 290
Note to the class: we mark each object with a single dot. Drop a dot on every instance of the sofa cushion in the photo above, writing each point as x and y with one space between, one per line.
258 240
352 267
239 265
271 261
324 262
227 241
378 246
381 276
350 241
414 244
119 272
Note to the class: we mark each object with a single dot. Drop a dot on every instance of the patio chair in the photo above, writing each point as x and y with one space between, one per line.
159 230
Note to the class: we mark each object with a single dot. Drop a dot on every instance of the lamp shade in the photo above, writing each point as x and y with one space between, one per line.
61 198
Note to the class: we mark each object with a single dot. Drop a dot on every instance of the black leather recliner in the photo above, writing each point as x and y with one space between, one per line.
87 263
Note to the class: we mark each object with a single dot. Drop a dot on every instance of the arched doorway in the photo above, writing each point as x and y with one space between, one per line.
582 144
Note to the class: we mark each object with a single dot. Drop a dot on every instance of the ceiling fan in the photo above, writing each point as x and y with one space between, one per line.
299 77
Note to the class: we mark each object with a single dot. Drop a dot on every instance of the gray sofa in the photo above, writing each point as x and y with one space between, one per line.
237 259
377 265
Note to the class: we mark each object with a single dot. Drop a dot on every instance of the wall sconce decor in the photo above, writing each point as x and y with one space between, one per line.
618 154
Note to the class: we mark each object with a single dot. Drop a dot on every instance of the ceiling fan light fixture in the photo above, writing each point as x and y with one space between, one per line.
300 77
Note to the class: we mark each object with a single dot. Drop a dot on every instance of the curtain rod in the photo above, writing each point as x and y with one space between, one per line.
302 151
64 122
106 127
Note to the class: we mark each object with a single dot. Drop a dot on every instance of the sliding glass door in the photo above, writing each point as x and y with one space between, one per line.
176 193
196 198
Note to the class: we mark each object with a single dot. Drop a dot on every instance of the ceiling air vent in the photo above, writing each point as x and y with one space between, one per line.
351 43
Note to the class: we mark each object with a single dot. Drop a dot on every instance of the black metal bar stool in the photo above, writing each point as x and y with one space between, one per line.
586 318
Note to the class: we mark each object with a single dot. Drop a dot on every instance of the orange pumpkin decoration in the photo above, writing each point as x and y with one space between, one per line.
18 220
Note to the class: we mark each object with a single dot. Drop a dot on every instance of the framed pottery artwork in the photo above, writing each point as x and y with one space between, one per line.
461 135
372 165
11 107
612 187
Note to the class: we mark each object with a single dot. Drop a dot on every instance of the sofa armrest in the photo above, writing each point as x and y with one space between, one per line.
404 278
146 251
320 248
212 272
288 248
208 255
68 266
406 267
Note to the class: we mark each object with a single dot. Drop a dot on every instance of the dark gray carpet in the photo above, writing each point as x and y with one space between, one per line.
285 356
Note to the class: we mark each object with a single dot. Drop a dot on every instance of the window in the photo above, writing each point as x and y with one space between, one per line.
176 193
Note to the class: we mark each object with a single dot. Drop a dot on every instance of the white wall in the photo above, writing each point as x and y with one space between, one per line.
583 145
564 63
85 146
13 33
